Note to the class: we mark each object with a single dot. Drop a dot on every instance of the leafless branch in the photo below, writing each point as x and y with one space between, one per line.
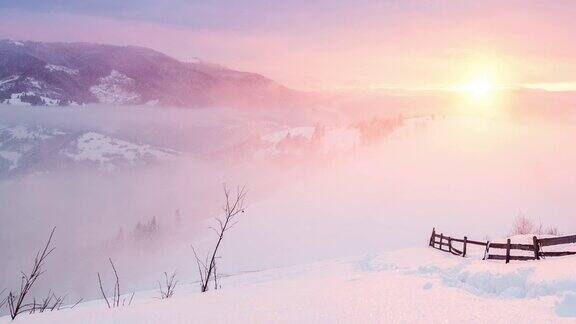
3 300
16 301
49 303
170 284
233 205
214 229
116 290
201 266
102 290
131 298
215 276
117 285
73 305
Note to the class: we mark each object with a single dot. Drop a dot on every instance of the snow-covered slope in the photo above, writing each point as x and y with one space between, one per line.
22 90
34 148
36 73
322 139
115 89
418 285
102 149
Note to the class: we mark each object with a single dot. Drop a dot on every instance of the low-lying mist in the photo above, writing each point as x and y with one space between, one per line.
463 174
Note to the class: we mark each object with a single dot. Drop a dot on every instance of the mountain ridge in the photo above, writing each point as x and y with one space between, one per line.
42 73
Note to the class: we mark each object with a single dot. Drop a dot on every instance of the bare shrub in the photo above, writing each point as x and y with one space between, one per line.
169 286
116 291
552 231
51 302
233 205
523 225
73 305
16 301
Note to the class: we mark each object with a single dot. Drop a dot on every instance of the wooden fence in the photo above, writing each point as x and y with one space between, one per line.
447 244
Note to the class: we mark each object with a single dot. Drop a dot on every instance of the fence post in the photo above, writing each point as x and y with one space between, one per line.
449 244
508 251
441 238
432 237
487 251
464 249
536 248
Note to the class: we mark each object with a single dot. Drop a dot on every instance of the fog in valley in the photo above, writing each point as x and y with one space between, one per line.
322 183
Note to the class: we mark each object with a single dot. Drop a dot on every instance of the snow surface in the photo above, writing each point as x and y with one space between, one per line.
17 141
12 157
304 131
21 132
111 89
35 83
7 80
16 43
330 140
152 102
50 101
60 68
419 285
15 99
100 148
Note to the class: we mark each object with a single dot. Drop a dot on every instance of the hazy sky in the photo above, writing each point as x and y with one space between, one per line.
328 44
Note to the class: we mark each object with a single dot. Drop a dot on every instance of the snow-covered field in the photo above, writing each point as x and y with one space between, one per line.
418 285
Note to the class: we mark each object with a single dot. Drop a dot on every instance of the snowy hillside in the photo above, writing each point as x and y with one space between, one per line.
345 139
33 148
318 139
418 285
61 74
114 89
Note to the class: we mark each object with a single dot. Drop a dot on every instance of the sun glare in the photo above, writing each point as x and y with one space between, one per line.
480 88
481 82
481 92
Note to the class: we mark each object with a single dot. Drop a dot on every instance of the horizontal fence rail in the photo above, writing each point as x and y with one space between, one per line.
446 244
557 240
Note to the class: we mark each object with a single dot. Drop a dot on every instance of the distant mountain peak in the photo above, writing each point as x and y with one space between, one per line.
38 73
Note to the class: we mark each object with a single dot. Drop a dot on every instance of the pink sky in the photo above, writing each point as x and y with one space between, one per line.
352 46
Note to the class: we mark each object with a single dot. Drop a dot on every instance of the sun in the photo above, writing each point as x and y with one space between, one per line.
481 88
482 92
